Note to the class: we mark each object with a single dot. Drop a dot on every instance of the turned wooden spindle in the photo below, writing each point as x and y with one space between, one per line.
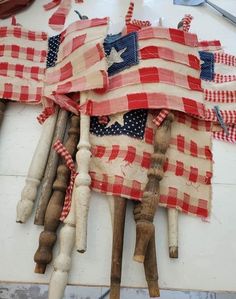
47 239
144 212
62 263
3 104
117 245
51 168
173 232
83 180
36 171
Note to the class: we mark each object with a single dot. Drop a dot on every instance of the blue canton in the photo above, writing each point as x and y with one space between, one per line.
129 56
53 48
134 125
207 68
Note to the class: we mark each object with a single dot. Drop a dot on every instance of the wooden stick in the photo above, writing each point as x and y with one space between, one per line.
150 267
51 169
47 239
3 104
36 171
117 245
82 181
62 263
173 232
144 212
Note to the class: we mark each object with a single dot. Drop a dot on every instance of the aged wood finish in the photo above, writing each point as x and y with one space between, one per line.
62 263
144 212
173 233
47 239
150 268
82 181
3 105
36 170
117 245
51 168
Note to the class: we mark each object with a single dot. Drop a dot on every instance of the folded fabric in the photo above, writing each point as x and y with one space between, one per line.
11 7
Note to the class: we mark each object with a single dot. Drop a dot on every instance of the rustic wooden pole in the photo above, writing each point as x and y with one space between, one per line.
150 268
82 181
62 263
47 239
3 104
51 169
173 232
144 212
36 171
117 245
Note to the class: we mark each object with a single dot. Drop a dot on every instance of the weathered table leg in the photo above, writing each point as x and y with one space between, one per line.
173 232
117 245
51 169
3 104
36 171
47 239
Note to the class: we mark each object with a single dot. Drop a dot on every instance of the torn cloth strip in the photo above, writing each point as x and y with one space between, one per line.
168 70
119 165
23 57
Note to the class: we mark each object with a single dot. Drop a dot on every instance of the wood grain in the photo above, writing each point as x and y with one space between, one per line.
117 245
51 169
47 239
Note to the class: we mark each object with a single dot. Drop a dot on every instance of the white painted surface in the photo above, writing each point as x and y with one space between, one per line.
207 251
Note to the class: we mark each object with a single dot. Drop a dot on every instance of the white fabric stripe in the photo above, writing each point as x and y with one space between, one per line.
39 45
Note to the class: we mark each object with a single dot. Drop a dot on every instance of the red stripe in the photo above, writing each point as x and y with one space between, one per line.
19 32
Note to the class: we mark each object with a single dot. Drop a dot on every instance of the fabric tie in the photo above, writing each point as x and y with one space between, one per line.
63 152
221 120
57 20
185 23
160 117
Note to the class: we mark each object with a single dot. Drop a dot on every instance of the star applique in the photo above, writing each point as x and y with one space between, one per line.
115 57
116 118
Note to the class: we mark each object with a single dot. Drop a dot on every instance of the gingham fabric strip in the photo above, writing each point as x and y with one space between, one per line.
228 116
170 54
213 45
21 71
171 34
24 53
65 102
52 4
222 136
225 58
160 117
57 20
21 33
154 75
129 14
192 122
66 70
173 198
187 19
219 78
48 111
63 152
220 96
142 101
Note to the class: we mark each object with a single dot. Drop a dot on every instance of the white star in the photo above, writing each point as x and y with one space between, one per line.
115 57
116 118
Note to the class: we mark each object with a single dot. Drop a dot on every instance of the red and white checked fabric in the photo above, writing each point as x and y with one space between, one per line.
81 64
57 20
23 57
187 19
119 165
230 137
160 117
167 77
63 152
224 58
213 45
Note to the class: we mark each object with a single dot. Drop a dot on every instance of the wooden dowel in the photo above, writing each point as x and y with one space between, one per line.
144 212
150 268
3 105
173 232
62 263
47 239
117 245
51 168
82 181
36 170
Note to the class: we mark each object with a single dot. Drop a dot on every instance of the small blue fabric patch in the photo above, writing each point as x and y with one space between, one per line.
129 56
110 38
53 48
134 125
189 2
207 68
